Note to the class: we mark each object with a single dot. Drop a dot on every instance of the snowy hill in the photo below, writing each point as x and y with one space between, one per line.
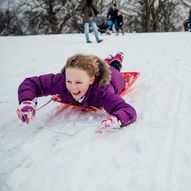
153 154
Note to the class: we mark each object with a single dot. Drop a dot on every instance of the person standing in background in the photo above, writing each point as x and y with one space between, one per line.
120 22
89 10
189 19
113 12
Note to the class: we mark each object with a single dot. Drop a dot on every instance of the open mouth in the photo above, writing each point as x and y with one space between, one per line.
76 93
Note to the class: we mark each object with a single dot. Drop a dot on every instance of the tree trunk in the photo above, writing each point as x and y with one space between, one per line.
52 18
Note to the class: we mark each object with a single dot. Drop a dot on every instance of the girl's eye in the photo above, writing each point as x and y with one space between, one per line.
78 82
68 81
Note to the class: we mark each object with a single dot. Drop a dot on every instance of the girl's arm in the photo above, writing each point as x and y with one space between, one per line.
116 106
43 85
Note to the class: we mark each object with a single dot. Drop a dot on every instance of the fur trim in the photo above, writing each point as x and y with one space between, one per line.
93 65
104 72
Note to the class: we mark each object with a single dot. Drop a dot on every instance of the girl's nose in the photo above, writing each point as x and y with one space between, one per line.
73 87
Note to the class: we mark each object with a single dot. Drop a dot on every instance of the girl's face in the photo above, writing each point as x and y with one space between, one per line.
78 82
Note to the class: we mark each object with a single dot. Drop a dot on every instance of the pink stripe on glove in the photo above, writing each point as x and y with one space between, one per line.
26 111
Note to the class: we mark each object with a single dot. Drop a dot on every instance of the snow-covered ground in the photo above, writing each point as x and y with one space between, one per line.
153 154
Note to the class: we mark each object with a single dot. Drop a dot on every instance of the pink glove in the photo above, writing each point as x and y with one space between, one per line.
26 111
109 122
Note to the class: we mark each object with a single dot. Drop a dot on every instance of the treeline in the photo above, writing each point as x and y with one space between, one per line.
32 17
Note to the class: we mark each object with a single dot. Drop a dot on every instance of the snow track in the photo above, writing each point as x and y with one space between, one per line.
153 154
168 150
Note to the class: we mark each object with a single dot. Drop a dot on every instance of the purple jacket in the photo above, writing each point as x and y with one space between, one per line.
107 96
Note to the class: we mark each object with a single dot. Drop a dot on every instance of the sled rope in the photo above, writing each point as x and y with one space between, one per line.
43 105
101 111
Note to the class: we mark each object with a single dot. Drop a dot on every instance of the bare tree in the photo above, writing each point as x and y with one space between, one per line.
150 15
63 16
10 23
53 13
186 3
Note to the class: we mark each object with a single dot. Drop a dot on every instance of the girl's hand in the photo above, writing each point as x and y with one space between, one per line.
26 111
109 122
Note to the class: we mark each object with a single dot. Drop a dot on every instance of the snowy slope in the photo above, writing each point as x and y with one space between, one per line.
153 154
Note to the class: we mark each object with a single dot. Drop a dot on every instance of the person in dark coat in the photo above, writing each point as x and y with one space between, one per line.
89 10
186 25
113 12
120 23
189 20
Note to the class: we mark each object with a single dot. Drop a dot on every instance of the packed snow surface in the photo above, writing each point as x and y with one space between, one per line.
59 150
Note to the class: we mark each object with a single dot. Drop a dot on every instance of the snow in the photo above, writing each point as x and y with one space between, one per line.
154 153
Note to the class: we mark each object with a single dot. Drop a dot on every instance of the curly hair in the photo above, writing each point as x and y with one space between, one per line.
93 65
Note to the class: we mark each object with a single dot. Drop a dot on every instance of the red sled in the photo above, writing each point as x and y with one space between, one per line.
130 78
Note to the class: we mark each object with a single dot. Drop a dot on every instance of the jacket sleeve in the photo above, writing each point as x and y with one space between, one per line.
109 13
43 85
116 106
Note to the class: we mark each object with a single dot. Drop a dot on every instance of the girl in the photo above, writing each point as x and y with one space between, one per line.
86 81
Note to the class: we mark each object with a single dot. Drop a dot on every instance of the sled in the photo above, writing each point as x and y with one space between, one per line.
130 78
